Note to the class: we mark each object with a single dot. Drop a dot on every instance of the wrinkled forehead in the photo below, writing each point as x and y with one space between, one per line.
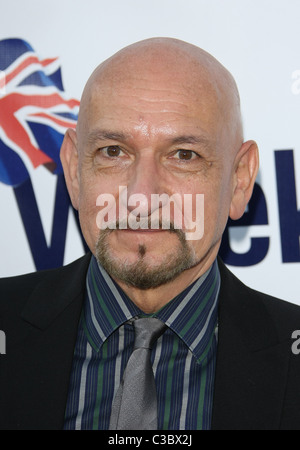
162 72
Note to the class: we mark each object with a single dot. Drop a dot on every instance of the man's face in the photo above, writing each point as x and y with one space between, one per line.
154 134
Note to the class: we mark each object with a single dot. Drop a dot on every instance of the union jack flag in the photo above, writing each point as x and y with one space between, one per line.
34 112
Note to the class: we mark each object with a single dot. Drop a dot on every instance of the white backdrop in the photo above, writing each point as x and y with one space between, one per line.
257 40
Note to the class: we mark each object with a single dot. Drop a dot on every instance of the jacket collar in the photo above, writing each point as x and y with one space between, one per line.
63 286
252 360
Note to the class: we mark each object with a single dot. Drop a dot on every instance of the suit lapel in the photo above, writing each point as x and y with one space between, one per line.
251 362
44 357
58 289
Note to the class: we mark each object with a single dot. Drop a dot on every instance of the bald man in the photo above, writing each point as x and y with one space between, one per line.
155 167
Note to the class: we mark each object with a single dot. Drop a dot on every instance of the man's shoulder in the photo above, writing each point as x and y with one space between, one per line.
284 314
15 290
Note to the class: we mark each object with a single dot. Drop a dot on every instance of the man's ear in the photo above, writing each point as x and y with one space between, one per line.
245 172
69 160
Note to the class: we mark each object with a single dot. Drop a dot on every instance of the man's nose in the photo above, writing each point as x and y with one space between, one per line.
146 179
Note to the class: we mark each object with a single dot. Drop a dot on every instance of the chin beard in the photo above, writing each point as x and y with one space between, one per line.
140 274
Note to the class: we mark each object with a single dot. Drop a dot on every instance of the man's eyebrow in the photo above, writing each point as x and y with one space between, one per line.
106 135
191 139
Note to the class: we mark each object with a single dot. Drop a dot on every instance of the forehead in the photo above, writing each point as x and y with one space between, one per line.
165 90
153 104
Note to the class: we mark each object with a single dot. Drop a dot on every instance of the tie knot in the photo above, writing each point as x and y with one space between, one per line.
147 331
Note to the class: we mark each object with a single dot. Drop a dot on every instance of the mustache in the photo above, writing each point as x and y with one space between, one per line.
144 223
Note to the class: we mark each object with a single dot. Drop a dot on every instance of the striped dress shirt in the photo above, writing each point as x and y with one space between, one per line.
183 358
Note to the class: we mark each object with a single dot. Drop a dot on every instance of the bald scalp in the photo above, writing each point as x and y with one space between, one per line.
168 57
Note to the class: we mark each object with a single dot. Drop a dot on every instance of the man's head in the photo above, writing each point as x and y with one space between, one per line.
160 117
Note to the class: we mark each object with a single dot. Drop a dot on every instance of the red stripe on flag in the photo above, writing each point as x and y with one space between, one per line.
64 123
26 63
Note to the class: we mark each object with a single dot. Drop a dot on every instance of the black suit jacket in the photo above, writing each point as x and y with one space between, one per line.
257 383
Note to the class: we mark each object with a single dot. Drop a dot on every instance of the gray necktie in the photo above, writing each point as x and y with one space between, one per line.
135 404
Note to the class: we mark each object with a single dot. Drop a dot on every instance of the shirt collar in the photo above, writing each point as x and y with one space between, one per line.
192 314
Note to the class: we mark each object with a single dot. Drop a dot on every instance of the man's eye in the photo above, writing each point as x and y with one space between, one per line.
111 151
186 155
